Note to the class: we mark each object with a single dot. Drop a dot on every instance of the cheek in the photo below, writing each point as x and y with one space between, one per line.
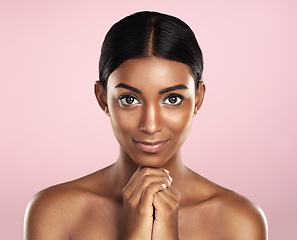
181 118
179 123
122 121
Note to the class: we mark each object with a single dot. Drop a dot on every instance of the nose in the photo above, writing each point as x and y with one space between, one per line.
151 120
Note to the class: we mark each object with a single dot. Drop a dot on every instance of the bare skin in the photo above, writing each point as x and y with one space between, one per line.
148 193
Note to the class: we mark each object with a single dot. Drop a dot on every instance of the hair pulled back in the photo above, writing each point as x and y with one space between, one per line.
145 34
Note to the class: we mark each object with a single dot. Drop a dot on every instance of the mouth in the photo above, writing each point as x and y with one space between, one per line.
150 147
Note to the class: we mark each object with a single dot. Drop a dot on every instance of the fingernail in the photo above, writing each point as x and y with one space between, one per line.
168 181
165 170
170 178
164 185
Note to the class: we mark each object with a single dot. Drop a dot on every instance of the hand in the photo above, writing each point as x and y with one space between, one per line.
138 196
166 205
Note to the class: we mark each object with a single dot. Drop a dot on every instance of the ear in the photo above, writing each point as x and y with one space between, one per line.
199 96
101 96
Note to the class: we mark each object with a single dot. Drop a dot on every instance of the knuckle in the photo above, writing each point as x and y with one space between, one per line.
132 204
125 194
146 179
175 206
125 197
157 194
146 170
149 190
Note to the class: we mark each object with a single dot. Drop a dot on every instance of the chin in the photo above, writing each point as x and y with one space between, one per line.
150 160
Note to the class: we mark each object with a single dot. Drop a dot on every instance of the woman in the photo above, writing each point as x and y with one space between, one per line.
150 87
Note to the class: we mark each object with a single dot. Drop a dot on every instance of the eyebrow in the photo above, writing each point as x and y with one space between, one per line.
165 90
123 85
169 89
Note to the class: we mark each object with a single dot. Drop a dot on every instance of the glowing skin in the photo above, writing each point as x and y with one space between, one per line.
151 102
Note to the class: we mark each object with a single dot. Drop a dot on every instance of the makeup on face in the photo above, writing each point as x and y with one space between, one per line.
150 146
151 103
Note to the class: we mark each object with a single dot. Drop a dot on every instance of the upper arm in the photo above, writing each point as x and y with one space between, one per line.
45 218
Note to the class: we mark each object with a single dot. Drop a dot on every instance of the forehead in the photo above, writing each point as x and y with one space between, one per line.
152 72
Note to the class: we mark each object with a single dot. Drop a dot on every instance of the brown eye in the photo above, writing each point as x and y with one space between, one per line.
174 100
127 100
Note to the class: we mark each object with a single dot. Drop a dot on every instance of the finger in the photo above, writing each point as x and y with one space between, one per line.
148 193
164 200
174 193
159 202
147 172
153 171
145 183
135 174
127 190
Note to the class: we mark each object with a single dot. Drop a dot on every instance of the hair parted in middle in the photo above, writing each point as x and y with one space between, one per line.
146 34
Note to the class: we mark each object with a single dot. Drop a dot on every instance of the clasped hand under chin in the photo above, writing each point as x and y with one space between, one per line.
151 205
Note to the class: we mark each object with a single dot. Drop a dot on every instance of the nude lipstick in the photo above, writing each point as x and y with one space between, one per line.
150 147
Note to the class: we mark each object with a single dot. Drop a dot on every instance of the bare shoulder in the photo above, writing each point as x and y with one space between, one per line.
241 218
54 212
232 215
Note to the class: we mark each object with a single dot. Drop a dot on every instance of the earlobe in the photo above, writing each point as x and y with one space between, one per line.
101 96
106 111
199 96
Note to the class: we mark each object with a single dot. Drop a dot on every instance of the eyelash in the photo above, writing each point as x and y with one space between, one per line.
123 100
175 95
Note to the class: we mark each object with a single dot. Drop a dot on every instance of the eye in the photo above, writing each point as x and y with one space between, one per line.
174 100
127 100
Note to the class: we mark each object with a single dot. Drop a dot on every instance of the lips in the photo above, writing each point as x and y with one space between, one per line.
150 147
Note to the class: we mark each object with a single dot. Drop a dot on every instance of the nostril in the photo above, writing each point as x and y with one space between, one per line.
151 121
149 128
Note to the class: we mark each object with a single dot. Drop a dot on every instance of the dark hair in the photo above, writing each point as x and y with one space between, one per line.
145 34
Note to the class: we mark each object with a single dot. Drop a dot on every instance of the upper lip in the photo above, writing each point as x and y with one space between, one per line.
150 142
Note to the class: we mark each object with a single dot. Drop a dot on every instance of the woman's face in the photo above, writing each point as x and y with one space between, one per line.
151 103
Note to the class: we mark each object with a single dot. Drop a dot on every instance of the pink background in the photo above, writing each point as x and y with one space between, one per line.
52 129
